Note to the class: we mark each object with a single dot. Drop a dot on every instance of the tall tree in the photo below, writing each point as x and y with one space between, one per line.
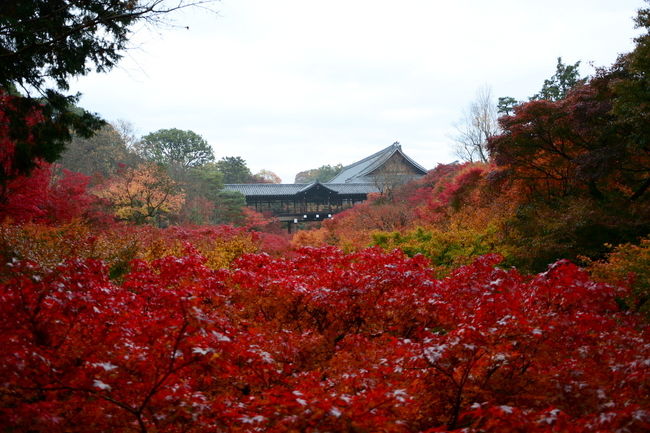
44 44
101 154
144 194
229 208
174 147
506 105
557 87
478 125
201 185
234 169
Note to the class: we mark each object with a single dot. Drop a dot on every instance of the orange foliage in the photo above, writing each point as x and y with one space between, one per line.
117 245
627 265
453 214
143 194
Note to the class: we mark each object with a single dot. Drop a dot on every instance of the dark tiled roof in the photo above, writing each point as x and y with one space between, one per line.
358 171
265 188
353 188
289 189
354 179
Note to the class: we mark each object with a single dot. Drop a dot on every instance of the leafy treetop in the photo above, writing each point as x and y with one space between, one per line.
176 148
45 43
323 174
557 87
234 169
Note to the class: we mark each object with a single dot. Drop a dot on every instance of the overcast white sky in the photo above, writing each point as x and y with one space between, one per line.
294 84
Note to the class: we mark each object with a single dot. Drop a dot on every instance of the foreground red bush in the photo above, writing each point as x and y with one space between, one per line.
321 342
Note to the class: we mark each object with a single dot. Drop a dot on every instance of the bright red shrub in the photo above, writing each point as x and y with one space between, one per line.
325 341
44 197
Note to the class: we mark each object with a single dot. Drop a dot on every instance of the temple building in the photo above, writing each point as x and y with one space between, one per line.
317 201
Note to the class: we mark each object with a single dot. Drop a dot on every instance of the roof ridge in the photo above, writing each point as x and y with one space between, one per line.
378 162
368 160
398 149
374 155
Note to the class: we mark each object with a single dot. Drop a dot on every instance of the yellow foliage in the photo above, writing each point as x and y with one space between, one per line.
43 244
447 249
117 245
627 265
143 194
218 252
309 238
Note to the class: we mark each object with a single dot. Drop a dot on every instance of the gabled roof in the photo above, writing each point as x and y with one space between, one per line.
358 171
316 185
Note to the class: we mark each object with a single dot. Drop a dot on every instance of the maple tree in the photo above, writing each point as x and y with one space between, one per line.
48 195
143 194
325 341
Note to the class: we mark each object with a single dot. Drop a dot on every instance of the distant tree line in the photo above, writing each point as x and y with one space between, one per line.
324 173
169 175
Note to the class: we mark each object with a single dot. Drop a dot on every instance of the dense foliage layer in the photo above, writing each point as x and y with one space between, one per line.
326 341
566 174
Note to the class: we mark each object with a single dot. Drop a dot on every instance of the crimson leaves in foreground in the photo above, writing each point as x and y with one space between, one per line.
321 342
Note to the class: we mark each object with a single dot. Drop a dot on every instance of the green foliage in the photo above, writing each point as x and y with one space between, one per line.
175 147
506 105
102 154
628 264
322 174
229 207
57 39
557 87
209 177
234 169
543 231
44 44
447 249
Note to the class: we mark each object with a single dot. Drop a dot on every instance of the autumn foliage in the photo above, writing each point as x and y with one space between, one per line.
429 308
142 194
325 341
47 196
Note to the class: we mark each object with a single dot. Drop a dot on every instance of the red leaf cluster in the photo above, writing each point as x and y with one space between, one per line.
324 341
45 197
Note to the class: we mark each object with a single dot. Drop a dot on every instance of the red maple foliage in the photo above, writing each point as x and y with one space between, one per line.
325 341
45 197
